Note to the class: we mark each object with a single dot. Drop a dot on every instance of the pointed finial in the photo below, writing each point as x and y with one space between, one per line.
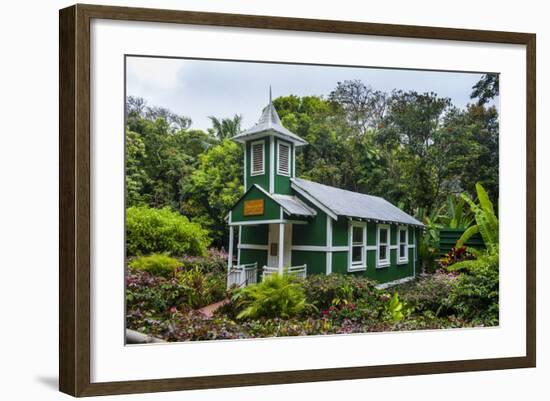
270 94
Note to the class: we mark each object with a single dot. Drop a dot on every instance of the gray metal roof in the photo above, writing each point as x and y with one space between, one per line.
293 205
353 204
269 122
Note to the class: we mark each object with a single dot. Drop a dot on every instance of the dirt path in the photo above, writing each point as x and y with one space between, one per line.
209 310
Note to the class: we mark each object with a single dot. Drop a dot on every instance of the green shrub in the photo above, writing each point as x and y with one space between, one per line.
276 296
214 262
475 295
150 230
430 293
324 291
199 288
156 264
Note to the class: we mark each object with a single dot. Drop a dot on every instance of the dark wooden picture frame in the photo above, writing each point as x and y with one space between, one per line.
74 203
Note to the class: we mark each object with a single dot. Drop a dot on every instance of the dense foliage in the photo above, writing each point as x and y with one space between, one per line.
150 230
275 296
166 308
156 264
417 150
414 149
156 296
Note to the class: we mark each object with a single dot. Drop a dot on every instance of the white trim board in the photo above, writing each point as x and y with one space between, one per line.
320 248
253 246
271 164
258 222
393 283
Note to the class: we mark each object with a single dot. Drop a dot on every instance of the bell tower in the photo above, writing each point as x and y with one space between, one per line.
269 154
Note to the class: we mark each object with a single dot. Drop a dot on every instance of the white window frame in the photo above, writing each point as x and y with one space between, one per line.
361 265
385 262
405 259
288 145
252 172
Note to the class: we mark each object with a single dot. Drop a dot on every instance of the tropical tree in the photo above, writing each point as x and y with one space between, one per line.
226 127
487 88
486 221
213 188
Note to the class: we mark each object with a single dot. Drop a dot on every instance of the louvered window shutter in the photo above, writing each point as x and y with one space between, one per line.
284 159
258 158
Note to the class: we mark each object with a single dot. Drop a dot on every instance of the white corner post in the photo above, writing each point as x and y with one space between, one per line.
230 251
281 247
239 247
272 168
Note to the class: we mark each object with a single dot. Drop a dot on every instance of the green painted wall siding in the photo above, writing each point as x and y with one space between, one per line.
340 262
282 182
253 256
390 273
393 234
449 236
271 208
261 180
316 261
371 233
313 233
340 232
256 235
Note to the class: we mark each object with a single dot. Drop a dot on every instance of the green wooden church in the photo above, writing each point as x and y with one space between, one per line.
287 224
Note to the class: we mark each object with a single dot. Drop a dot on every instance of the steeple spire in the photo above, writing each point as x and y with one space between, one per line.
269 124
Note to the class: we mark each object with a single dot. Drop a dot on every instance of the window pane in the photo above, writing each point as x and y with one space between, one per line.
382 253
402 251
402 236
357 254
357 235
383 235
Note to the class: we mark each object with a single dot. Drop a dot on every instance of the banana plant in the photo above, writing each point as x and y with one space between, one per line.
458 215
485 218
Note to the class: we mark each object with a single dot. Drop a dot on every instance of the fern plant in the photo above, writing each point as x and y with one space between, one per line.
276 296
486 221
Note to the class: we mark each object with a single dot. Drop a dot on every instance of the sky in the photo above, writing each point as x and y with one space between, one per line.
201 88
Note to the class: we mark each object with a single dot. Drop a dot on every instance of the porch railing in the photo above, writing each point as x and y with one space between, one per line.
243 275
298 271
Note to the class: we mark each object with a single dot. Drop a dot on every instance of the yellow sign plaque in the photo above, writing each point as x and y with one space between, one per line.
254 207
